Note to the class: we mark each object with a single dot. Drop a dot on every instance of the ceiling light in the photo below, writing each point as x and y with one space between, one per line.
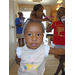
57 8
37 0
34 0
30 0
59 1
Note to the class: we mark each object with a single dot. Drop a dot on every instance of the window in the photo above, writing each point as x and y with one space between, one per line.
26 14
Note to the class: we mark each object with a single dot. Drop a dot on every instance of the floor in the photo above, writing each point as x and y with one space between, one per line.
51 66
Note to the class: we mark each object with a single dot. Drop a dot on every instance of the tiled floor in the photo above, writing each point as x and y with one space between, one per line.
51 66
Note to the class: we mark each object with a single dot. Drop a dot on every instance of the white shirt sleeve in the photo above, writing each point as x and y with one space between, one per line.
47 50
18 52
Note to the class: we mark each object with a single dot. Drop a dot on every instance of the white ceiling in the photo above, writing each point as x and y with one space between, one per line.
43 2
53 3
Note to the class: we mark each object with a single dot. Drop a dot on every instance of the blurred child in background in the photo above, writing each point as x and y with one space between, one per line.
37 13
59 36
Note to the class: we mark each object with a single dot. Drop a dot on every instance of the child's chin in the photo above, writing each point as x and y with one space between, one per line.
35 47
32 47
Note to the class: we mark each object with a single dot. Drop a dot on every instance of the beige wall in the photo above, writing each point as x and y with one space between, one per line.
26 6
16 8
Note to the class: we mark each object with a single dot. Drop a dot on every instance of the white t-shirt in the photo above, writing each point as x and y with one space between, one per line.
32 61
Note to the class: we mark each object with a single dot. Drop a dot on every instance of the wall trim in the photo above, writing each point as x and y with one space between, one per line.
11 62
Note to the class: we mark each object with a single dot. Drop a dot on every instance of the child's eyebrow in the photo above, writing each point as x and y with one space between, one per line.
37 31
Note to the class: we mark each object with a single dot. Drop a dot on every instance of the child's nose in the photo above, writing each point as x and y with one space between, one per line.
61 15
34 38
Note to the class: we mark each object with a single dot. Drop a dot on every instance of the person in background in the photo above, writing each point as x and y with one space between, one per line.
37 13
19 28
59 36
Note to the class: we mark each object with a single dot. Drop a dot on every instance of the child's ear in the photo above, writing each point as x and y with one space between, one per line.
43 34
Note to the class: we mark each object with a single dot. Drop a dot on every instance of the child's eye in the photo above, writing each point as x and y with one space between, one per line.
38 34
29 34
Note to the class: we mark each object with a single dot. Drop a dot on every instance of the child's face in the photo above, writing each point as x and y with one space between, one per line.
21 16
33 35
60 13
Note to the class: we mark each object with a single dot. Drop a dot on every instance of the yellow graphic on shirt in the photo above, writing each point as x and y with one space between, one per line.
59 30
33 66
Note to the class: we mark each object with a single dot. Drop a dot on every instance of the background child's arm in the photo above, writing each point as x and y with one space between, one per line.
57 51
17 60
45 16
49 28
19 25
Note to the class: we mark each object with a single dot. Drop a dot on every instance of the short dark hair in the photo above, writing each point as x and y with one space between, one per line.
19 13
60 8
36 7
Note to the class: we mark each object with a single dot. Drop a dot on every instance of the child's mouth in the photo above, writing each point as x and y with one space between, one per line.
63 18
33 44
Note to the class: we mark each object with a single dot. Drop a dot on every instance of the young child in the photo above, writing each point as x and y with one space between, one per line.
32 55
59 35
37 13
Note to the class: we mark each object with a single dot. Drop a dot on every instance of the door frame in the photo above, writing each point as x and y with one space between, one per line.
13 44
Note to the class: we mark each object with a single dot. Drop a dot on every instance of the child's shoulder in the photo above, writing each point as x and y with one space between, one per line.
20 51
17 19
56 22
21 48
33 12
